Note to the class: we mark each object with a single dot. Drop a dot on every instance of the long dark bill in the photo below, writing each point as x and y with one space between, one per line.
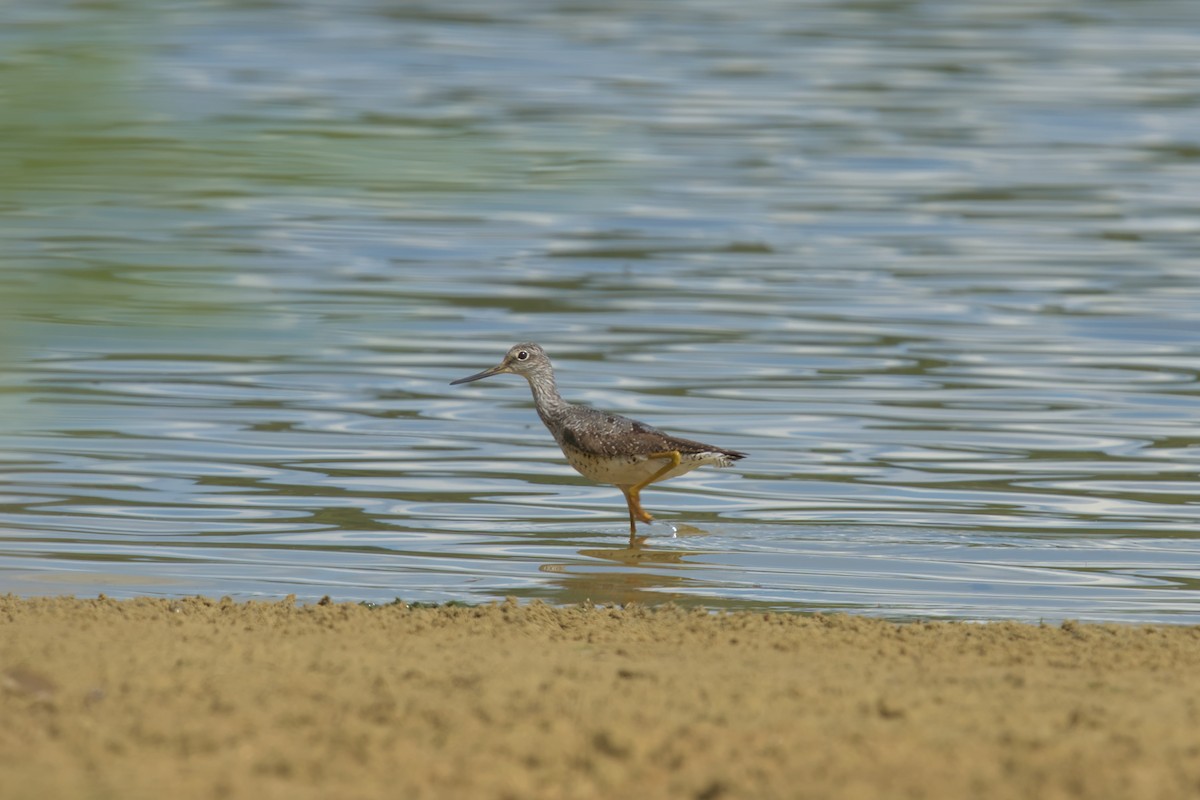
487 373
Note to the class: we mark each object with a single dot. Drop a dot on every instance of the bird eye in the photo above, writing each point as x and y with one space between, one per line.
521 356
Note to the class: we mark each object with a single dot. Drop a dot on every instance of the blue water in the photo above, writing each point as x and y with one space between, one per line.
932 265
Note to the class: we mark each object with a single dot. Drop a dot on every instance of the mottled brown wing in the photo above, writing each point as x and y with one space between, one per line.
610 435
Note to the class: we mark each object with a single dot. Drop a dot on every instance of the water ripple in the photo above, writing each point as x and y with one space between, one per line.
952 318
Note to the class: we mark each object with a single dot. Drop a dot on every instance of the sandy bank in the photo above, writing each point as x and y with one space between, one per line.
208 699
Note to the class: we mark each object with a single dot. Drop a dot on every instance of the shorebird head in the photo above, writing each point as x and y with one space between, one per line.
521 359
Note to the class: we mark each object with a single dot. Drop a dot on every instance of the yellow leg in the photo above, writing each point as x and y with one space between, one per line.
674 457
636 512
632 498
629 502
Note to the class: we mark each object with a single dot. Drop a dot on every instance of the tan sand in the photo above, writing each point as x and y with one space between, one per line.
211 699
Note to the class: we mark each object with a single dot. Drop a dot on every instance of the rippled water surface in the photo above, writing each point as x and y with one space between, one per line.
934 265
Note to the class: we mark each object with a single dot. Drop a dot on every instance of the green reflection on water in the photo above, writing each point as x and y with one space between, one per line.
84 111
107 166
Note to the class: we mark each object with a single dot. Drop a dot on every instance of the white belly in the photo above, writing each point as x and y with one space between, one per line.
632 470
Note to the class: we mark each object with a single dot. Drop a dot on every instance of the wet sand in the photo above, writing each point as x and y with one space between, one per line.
208 699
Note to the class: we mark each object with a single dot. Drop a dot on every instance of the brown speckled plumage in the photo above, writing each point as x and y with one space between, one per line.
608 448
